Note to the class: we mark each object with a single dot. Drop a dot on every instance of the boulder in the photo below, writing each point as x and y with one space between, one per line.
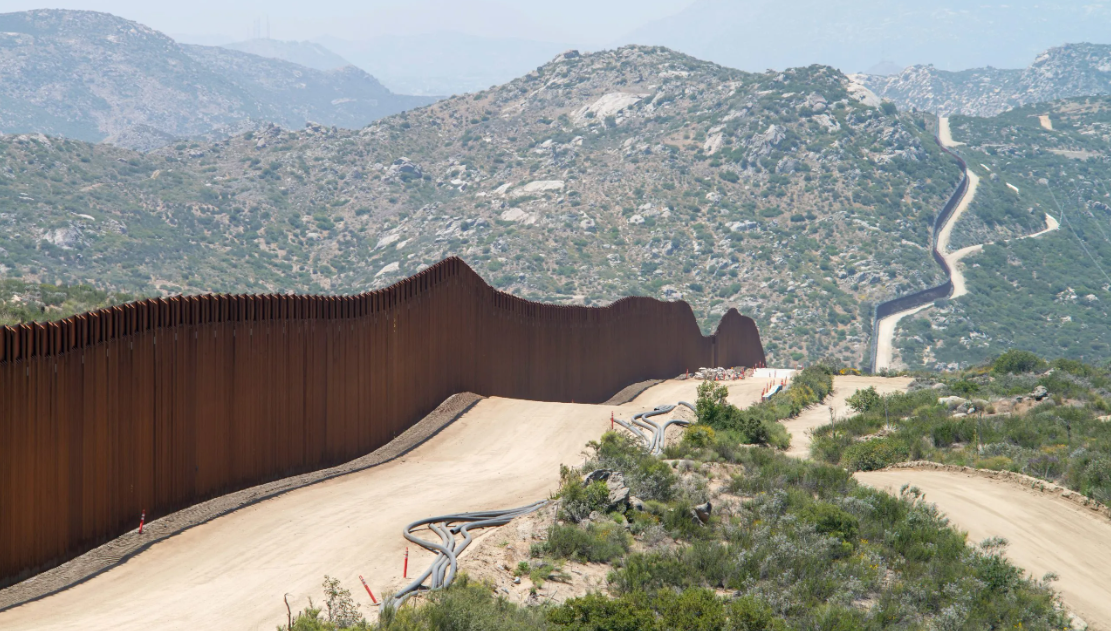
1040 393
952 402
637 504
619 493
598 475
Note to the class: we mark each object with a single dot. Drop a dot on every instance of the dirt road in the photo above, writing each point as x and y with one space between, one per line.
231 573
944 134
1046 534
818 415
946 233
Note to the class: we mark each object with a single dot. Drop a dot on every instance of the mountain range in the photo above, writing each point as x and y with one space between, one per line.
1058 73
96 77
634 171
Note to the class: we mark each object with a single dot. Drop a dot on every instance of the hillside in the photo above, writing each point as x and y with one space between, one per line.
95 77
1058 73
636 171
1049 294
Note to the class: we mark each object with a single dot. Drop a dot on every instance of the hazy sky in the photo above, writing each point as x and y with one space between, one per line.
586 23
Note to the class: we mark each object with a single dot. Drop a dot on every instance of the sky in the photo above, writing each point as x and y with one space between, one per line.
589 24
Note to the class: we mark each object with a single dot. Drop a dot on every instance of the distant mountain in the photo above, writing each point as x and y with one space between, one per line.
308 54
854 34
95 77
445 63
1058 73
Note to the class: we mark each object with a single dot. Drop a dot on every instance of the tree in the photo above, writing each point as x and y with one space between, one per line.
864 400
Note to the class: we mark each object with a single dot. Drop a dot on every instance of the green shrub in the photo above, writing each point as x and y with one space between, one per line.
699 435
864 400
749 613
597 543
831 520
870 455
578 500
1016 361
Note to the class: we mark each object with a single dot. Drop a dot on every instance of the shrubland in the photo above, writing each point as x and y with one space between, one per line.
1064 438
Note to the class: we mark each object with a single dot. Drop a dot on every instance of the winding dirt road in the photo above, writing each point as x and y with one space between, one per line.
1046 533
885 328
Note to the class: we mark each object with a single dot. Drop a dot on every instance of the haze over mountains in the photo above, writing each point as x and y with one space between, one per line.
95 77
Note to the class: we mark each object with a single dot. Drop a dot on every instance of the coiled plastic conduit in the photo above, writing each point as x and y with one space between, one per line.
655 442
443 569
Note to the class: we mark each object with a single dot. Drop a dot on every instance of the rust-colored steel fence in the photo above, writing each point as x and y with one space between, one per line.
164 403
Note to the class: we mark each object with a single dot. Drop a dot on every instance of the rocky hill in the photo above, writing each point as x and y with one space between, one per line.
635 171
1058 73
95 77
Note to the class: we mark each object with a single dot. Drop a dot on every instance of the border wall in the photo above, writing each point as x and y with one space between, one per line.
931 294
164 403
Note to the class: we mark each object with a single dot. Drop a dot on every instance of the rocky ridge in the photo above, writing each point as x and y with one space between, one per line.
96 77
1058 73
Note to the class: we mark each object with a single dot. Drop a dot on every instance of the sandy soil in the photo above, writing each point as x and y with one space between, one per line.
1046 122
232 571
1046 534
885 336
818 415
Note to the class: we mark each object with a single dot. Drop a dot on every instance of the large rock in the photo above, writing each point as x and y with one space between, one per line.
615 482
1040 393
952 402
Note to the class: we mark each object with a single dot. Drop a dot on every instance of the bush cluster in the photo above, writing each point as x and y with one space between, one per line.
758 424
1061 439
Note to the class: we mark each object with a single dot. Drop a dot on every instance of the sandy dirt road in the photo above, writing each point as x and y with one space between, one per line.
1046 534
818 415
231 573
945 134
946 233
885 330
885 335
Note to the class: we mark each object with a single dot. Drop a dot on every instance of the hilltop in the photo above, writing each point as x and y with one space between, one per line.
1058 73
96 77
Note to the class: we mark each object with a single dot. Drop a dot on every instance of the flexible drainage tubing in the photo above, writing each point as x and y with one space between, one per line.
442 571
655 443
